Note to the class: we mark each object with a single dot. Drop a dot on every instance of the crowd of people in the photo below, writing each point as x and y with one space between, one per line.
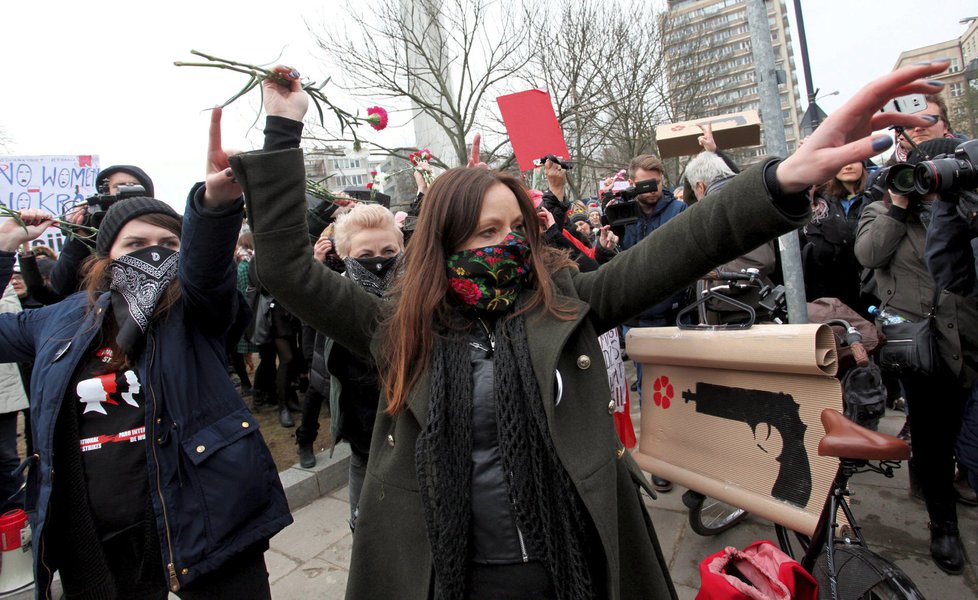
458 359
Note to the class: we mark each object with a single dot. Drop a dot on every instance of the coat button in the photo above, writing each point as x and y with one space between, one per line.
390 440
184 571
200 449
950 325
583 362
611 407
245 424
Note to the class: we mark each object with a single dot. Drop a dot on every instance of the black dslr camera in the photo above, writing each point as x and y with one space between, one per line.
898 177
954 177
620 207
95 206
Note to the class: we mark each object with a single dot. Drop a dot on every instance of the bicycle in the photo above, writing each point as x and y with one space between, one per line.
837 554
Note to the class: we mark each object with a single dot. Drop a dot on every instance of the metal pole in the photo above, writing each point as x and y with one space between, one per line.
815 119
773 120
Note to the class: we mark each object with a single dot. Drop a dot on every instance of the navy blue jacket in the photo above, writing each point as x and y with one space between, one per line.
665 209
950 250
213 483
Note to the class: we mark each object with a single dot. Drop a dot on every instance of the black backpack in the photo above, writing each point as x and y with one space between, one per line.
864 396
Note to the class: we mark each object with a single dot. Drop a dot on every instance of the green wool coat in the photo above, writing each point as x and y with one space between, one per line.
391 555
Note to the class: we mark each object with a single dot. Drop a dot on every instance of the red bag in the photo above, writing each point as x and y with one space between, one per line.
765 573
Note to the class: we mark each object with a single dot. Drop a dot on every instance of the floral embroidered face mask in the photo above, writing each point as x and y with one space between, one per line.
490 278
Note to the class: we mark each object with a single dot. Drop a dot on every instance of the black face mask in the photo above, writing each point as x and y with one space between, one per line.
138 282
378 265
373 274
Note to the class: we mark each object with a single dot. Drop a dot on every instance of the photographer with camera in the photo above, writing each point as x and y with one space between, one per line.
655 209
936 112
115 183
890 239
951 252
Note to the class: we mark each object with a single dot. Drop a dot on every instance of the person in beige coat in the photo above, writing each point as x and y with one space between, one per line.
13 399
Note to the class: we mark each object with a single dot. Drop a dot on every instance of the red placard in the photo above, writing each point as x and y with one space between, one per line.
532 126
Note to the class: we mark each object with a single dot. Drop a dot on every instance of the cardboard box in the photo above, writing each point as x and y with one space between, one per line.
734 130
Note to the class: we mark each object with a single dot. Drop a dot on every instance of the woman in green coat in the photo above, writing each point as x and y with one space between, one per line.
495 470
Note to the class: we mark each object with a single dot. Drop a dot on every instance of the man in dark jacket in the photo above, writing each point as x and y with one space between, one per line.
66 276
655 210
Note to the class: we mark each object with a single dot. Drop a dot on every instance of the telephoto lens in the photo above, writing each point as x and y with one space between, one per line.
949 173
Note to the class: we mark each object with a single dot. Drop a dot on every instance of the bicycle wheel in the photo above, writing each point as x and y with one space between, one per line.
709 516
861 574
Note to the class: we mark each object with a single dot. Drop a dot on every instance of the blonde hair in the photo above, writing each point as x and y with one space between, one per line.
360 217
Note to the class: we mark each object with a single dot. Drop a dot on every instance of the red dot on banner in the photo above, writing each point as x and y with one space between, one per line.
669 391
657 397
665 402
657 385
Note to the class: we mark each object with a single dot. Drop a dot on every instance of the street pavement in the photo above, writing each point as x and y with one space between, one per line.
310 559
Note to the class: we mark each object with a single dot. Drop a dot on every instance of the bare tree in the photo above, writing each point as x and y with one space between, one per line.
5 141
602 62
447 57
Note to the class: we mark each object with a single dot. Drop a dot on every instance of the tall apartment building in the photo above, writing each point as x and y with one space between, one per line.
960 80
342 169
711 68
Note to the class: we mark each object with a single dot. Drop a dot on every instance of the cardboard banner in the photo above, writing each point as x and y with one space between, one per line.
50 183
532 127
729 417
732 130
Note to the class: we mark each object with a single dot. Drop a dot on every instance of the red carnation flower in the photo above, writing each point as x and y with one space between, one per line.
377 117
370 185
466 290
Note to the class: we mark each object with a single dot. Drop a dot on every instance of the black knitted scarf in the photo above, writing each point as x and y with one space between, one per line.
547 509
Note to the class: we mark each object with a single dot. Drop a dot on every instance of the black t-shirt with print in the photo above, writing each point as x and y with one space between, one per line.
112 428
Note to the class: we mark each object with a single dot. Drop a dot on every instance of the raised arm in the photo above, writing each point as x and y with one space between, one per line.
16 330
211 223
274 186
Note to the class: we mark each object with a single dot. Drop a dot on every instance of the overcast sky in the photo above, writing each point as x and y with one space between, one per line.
97 77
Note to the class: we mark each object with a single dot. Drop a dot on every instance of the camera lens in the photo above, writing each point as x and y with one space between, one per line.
900 178
938 175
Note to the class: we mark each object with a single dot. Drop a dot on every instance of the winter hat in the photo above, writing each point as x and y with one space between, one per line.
124 211
133 170
933 148
578 217
594 211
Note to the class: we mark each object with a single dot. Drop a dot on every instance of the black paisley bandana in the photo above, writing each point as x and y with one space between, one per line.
138 281
373 274
490 278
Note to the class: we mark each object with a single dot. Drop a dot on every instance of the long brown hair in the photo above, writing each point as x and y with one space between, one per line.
96 280
449 216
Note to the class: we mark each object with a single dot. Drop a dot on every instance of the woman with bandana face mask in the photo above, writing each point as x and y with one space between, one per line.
371 245
132 408
495 470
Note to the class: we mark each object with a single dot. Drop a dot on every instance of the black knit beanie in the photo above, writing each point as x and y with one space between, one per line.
133 170
124 211
933 148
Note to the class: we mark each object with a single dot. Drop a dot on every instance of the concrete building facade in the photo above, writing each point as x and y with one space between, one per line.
710 66
960 80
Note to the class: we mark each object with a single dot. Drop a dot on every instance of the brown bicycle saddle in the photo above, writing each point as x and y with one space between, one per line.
845 439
